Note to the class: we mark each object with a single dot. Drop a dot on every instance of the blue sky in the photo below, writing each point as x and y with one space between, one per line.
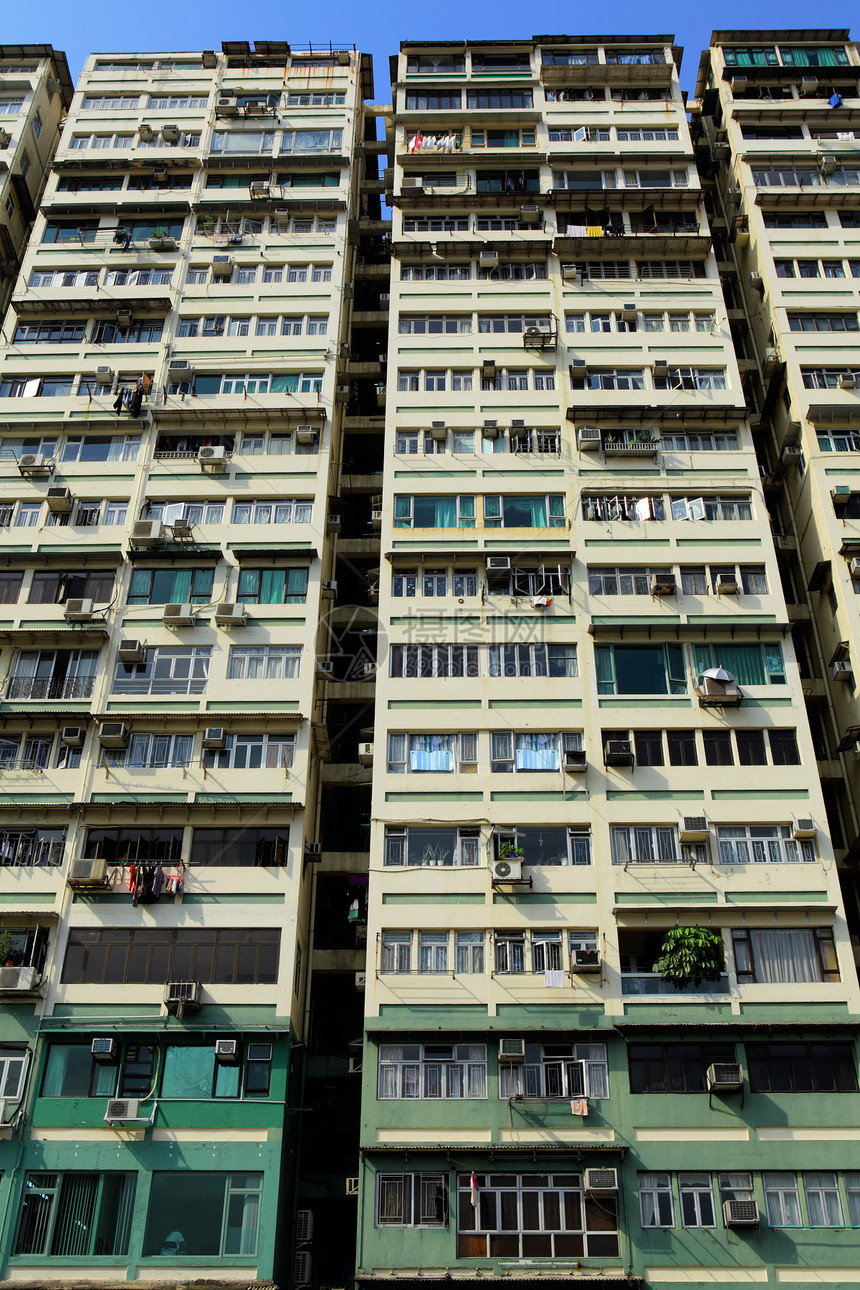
379 26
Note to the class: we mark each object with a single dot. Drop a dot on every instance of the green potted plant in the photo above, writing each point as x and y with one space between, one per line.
690 954
160 240
7 948
507 851
206 225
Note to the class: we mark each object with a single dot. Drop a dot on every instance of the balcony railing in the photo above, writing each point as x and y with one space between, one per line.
37 687
652 983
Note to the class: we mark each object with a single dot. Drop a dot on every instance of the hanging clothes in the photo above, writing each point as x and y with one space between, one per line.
119 403
157 881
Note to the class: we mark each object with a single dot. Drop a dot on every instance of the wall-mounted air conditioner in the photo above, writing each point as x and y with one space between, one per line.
113 734
230 614
507 870
78 611
512 1051
177 615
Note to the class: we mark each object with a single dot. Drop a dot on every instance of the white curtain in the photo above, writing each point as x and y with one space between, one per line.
785 955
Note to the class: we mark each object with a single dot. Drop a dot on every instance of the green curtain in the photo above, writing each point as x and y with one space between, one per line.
297 586
272 586
284 384
603 659
170 586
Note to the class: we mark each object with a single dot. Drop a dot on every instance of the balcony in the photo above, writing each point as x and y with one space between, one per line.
650 983
42 688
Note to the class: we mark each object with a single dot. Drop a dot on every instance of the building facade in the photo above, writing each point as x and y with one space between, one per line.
171 439
590 737
35 93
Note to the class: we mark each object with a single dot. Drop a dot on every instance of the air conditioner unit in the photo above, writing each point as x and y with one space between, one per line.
488 259
365 754
325 667
589 439
601 1182
491 429
159 172
498 563
854 567
575 760
848 381
305 434
356 1065
328 590
87 872
230 614
184 993
369 670
18 980
122 1108
78 611
411 181
628 311
259 188
227 105
437 430
842 670
757 281
73 736
360 982
790 455
385 299
130 652
182 528
145 130
333 523
804 828
33 461
177 615
341 394
663 585
304 1225
584 961
179 367
739 85
727 584
827 165
809 85
352 1186
508 870
211 453
104 1050
222 266
104 376
113 734
376 519
725 1077
693 828
530 214
343 57
618 752
215 737
170 133
302 1268
147 532
741 1213
512 1051
227 1052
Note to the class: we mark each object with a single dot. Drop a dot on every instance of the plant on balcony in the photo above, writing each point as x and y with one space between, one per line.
690 954
206 225
7 948
507 851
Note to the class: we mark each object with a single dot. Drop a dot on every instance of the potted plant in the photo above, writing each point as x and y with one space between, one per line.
206 225
7 947
159 240
507 851
690 954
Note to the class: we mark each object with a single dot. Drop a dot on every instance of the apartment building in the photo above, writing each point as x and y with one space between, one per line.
35 93
591 735
172 394
776 116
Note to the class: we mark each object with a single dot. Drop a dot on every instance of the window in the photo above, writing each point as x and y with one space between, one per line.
546 844
423 661
411 1200
432 753
802 1067
268 511
439 511
80 448
785 954
682 747
783 747
780 1199
718 748
530 752
761 843
696 1194
76 1214
171 586
167 669
604 508
55 588
823 1205
689 378
246 847
468 952
533 1215
13 1063
644 844
637 581
521 511
648 747
674 1068
141 956
640 669
264 750
264 662
542 580
396 952
417 845
191 1213
510 953
656 1206
532 660
433 1071
824 322
152 750
272 586
557 1070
